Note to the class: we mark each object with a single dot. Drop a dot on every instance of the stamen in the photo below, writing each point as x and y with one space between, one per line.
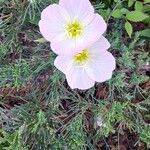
82 57
74 29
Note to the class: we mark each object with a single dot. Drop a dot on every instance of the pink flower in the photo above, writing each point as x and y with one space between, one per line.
71 26
92 64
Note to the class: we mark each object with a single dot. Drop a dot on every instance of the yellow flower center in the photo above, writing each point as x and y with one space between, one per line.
82 57
74 29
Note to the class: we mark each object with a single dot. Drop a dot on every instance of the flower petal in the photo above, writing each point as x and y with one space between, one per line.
52 21
81 10
55 13
61 45
92 33
101 45
63 63
78 78
46 30
96 28
100 68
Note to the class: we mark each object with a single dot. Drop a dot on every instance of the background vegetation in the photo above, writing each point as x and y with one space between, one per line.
38 111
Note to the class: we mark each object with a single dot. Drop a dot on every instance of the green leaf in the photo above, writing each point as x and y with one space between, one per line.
138 6
124 10
147 20
136 16
117 13
146 1
40 40
146 8
130 2
105 13
145 32
147 115
129 28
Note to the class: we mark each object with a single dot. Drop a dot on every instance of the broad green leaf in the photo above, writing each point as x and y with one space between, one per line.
130 2
124 10
145 32
117 13
129 28
136 16
138 6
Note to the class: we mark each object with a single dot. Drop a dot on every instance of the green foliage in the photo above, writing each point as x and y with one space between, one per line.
15 74
3 50
145 135
130 2
137 15
118 80
51 115
129 28
137 79
127 59
117 13
139 6
145 33
146 1
114 116
40 121
10 141
75 136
